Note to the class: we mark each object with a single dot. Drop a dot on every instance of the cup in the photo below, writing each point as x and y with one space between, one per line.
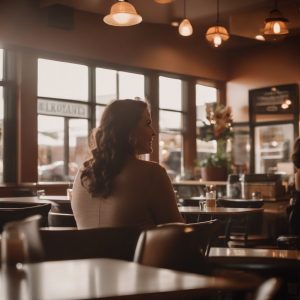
202 204
211 199
69 194
13 248
40 193
211 202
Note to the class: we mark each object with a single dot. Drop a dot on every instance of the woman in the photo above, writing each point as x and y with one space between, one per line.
114 187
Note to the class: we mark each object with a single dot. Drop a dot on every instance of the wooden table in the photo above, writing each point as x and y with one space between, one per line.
219 211
106 279
265 260
57 199
32 199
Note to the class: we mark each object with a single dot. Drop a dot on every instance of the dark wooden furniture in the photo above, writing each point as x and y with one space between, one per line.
107 242
18 211
108 279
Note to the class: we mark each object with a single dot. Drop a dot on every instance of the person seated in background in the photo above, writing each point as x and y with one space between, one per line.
114 187
294 209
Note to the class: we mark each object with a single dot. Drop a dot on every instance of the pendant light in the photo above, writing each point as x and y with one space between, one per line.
275 25
185 27
217 34
122 13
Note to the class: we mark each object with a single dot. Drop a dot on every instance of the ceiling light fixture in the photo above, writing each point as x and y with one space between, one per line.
217 34
275 24
185 28
122 13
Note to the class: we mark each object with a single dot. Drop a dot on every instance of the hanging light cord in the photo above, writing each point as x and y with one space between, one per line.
217 12
184 9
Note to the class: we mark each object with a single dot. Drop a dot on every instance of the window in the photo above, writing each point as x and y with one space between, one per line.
204 94
63 115
170 125
1 113
65 112
112 85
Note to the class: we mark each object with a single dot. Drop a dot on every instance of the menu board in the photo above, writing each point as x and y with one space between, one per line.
281 99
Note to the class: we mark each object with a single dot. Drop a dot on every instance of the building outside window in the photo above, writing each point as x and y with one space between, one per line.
204 94
112 85
170 125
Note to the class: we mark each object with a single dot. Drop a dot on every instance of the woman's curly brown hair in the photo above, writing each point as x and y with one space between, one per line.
296 154
111 145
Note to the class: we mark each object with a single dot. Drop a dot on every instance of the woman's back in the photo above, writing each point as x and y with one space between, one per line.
142 196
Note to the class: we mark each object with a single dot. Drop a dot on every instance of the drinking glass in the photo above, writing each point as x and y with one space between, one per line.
14 248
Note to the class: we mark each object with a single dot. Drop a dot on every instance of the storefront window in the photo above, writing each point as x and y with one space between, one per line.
63 115
170 125
204 94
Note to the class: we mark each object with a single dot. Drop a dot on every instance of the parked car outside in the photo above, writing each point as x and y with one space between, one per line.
56 171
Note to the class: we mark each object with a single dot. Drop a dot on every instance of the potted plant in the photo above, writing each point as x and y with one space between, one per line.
218 127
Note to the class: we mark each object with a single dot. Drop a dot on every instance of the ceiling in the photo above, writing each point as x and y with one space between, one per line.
244 18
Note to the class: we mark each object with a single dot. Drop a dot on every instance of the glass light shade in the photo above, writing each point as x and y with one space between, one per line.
276 24
122 14
216 35
185 28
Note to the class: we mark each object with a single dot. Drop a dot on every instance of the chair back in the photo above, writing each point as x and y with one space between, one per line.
206 232
56 219
29 229
172 246
270 289
13 213
240 203
118 243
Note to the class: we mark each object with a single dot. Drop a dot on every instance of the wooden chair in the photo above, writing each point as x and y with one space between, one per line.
28 228
173 246
13 212
206 232
118 243
61 220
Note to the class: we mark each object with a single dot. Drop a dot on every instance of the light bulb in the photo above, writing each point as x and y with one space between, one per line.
288 101
121 18
217 40
185 28
284 106
276 28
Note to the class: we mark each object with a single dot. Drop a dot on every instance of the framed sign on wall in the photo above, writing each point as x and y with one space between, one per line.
281 99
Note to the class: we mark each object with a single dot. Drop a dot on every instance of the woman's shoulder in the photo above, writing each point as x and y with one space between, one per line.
151 166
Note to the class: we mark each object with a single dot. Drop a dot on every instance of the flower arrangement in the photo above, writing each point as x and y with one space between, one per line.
219 124
218 127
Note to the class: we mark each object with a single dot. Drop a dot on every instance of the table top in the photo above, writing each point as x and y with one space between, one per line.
256 259
56 198
199 182
218 210
250 252
106 279
31 199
